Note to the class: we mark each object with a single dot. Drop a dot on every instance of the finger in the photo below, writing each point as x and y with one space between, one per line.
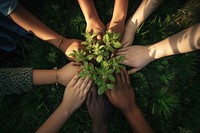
88 99
79 82
74 80
99 36
85 82
76 63
123 49
133 70
118 79
122 53
123 76
127 62
89 30
127 77
125 45
87 88
94 90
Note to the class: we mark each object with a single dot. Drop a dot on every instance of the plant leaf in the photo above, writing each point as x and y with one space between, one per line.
101 90
116 36
106 39
89 57
111 78
110 86
99 58
117 45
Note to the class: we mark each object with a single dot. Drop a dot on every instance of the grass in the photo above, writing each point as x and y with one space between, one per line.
167 90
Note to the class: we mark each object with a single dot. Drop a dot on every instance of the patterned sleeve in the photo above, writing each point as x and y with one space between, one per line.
15 80
7 6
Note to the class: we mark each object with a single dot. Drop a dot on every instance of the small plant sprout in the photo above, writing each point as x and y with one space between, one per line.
97 62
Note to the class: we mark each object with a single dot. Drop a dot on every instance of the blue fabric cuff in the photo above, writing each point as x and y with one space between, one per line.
7 6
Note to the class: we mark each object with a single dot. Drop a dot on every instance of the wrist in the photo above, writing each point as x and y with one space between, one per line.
65 110
91 18
100 128
156 51
130 111
119 18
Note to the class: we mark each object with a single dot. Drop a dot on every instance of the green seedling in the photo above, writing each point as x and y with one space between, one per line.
97 62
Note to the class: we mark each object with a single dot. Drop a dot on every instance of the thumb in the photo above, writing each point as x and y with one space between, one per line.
133 70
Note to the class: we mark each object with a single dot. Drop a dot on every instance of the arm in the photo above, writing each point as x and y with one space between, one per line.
139 56
94 24
137 121
61 76
117 22
74 96
123 97
134 22
100 110
32 24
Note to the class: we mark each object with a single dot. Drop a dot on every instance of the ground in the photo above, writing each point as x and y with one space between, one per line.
167 90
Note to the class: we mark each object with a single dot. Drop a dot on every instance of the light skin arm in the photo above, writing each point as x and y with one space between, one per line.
123 97
29 22
138 56
117 23
142 13
74 96
61 76
94 24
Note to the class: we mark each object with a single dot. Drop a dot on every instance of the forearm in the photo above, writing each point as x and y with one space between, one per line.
185 41
143 12
100 128
41 77
55 121
32 24
88 9
120 10
137 121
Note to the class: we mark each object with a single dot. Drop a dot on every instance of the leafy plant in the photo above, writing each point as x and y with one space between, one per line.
97 61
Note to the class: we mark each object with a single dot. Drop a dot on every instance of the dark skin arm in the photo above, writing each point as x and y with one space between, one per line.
123 97
100 110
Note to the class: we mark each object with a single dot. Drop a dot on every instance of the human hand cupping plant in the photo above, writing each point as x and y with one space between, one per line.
97 27
74 95
136 56
66 73
94 24
76 92
116 27
69 45
129 33
122 96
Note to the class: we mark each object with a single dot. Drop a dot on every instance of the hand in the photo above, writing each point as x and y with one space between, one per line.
129 34
136 56
116 27
122 95
66 73
99 108
96 26
68 45
76 92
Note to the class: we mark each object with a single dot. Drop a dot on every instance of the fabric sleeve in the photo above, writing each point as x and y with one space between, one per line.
15 80
7 6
